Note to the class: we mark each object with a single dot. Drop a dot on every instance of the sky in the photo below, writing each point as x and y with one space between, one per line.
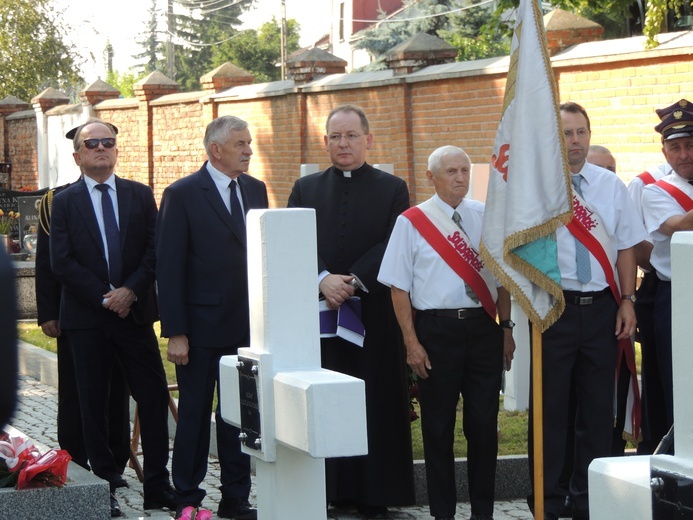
123 21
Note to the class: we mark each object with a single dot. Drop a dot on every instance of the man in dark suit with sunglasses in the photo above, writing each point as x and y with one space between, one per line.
48 291
102 252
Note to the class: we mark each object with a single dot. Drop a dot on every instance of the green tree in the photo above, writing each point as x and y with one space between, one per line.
467 30
208 24
151 58
33 54
124 82
455 21
613 15
259 52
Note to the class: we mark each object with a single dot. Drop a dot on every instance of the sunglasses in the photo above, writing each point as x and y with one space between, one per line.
107 142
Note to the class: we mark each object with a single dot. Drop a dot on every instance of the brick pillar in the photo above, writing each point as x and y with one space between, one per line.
146 90
314 63
9 105
418 52
224 77
42 103
97 92
564 29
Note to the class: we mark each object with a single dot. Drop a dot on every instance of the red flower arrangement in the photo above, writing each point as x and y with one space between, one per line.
23 466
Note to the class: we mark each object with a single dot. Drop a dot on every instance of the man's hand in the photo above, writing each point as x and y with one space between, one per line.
417 359
178 349
119 300
51 329
508 348
337 288
625 320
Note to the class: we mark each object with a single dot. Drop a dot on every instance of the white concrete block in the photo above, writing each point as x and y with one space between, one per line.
283 286
682 354
321 413
386 167
619 487
309 168
516 395
230 405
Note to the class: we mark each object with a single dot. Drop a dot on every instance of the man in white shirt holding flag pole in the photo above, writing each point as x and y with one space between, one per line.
525 243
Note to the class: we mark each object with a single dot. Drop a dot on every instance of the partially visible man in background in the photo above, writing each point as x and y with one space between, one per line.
8 340
601 156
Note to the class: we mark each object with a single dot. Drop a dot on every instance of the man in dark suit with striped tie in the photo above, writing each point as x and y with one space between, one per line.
102 253
203 298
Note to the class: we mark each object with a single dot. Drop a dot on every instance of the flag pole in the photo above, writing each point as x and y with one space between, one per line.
538 423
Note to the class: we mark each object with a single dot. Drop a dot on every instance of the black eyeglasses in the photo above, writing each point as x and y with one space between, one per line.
107 142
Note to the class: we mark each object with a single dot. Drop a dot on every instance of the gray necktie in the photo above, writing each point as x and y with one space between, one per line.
582 254
458 220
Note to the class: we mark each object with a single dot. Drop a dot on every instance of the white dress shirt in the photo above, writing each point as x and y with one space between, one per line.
222 182
658 207
412 265
607 196
98 207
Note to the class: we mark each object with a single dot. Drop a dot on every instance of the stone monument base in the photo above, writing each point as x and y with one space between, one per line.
83 496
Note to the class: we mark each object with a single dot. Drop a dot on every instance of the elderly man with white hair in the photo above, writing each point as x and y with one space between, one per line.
446 302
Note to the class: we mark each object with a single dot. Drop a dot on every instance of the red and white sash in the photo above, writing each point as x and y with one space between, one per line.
587 227
647 178
455 248
679 196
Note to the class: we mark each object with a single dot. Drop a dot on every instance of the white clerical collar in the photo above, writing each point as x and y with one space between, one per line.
347 174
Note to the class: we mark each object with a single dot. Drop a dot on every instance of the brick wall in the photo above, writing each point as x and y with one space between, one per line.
161 140
21 145
620 101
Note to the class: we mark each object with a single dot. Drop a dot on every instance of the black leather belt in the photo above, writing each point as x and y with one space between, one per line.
584 298
460 314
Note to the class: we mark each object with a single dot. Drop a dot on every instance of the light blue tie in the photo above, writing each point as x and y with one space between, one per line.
582 255
472 295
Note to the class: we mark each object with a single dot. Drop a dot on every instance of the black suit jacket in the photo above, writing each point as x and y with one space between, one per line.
355 217
47 287
202 273
78 258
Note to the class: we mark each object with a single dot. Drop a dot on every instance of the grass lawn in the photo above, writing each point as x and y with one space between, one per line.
513 425
31 333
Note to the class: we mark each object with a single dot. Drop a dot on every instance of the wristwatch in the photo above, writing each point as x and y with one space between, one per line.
630 297
507 324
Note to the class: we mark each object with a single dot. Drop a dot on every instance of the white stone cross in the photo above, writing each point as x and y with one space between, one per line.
292 413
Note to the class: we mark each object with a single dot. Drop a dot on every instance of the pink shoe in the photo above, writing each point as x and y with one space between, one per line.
203 514
187 513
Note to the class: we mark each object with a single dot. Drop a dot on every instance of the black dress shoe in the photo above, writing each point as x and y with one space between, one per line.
237 509
160 500
567 511
115 507
119 482
373 511
445 518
